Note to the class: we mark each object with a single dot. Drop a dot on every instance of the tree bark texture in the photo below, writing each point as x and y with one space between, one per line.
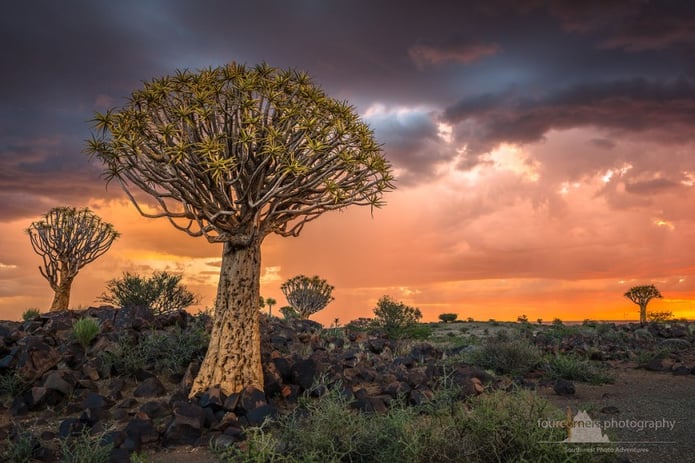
233 359
643 313
61 299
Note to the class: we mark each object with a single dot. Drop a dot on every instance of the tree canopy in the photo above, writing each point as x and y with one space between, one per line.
234 153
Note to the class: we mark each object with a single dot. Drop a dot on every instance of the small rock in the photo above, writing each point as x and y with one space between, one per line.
564 387
250 399
610 410
258 415
681 370
213 397
151 387
155 409
141 431
303 373
189 415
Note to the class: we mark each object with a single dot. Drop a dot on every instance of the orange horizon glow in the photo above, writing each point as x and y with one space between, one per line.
414 250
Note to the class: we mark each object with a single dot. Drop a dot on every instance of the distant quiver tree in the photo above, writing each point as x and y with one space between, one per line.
307 295
641 295
233 154
67 239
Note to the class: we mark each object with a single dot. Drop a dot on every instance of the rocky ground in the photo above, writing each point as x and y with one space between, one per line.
55 388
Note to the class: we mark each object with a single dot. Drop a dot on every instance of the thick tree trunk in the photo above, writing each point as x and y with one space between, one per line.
643 313
61 300
233 360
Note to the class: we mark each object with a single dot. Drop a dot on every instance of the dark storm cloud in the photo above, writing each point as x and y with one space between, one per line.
632 25
411 139
636 105
67 59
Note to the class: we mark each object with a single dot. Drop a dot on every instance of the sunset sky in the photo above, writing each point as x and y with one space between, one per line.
545 155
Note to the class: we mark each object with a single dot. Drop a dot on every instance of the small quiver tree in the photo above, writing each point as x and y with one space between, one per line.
307 295
270 302
233 154
641 295
67 239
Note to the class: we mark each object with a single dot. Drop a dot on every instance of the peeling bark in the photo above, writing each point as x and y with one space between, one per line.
233 359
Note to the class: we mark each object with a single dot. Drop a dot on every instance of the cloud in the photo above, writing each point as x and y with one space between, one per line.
463 53
412 140
636 105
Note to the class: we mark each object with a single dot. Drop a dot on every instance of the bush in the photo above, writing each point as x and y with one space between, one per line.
572 368
20 447
448 317
288 313
30 314
158 351
85 330
395 318
501 426
161 293
86 448
660 316
11 384
507 356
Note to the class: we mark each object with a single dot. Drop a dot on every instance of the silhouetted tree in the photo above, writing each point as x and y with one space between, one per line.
641 295
67 239
233 154
270 302
307 295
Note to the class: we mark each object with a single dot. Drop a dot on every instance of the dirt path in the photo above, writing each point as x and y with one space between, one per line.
645 396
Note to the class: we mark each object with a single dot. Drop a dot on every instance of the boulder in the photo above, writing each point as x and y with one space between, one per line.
564 387
151 387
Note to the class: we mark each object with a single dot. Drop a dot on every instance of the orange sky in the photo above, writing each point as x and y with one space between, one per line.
439 246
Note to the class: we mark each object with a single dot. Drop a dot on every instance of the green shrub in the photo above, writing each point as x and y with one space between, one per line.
30 314
159 351
448 317
500 426
573 368
507 356
11 384
360 324
396 319
20 447
86 448
161 293
288 313
85 330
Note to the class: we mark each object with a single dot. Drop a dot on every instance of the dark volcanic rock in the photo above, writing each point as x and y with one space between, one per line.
36 358
564 387
303 373
151 387
250 399
256 416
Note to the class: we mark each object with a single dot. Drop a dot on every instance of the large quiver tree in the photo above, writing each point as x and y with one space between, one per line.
641 295
67 239
307 295
235 153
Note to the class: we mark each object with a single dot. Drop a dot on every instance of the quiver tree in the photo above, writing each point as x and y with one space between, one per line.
270 302
233 154
641 295
307 295
67 239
